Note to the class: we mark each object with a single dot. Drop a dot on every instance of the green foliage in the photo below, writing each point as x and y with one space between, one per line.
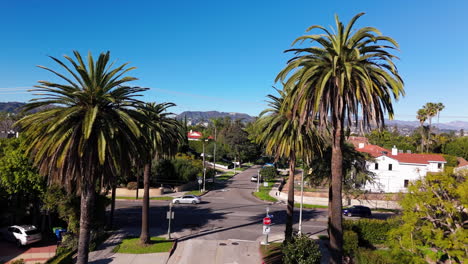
371 232
367 256
65 257
17 175
457 147
387 139
133 246
18 261
350 242
67 206
434 218
301 250
264 193
268 173
451 160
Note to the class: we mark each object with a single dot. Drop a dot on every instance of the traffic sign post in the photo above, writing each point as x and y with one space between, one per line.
170 216
266 226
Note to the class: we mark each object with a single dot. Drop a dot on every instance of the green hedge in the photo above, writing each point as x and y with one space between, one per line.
371 232
350 242
300 250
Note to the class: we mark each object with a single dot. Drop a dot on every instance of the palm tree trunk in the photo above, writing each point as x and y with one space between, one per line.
144 237
137 184
429 136
335 228
88 195
112 210
290 209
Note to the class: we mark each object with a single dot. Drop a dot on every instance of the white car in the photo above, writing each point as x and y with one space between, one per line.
23 235
190 199
254 178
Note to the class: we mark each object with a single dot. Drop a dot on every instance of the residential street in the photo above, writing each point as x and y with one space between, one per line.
229 218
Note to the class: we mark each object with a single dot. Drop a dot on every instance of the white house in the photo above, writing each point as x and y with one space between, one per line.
395 169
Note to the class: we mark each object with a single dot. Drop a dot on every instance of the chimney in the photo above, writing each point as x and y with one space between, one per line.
361 145
394 151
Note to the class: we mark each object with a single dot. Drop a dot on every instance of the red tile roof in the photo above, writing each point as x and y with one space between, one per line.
462 162
377 151
194 135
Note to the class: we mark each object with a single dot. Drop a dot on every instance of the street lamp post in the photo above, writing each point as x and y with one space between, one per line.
214 155
302 200
204 168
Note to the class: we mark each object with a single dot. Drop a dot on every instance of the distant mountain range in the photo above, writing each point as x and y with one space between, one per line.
196 117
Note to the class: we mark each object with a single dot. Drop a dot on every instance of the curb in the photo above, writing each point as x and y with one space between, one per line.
173 249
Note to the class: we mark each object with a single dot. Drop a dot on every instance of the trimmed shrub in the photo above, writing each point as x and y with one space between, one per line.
132 185
301 250
268 173
371 232
351 242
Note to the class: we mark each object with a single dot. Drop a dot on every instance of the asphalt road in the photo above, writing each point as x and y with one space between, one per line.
228 213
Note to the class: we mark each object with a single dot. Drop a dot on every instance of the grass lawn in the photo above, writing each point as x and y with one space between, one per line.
195 192
132 246
141 198
263 194
309 206
271 254
225 176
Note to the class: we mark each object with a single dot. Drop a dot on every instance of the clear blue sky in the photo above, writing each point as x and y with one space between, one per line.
224 55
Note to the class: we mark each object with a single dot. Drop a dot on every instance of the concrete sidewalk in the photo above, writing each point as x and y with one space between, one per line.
216 252
105 254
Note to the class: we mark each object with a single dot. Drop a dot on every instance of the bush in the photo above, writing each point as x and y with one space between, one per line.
351 242
132 185
367 256
268 173
301 250
18 261
371 232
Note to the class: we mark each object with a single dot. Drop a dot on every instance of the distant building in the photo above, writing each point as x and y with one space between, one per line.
194 135
462 164
9 134
394 170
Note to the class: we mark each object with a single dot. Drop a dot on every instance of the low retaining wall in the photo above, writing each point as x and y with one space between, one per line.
124 192
346 202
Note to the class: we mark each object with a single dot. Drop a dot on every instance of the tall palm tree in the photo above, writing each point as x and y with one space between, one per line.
285 137
431 111
421 115
439 108
346 74
88 126
161 138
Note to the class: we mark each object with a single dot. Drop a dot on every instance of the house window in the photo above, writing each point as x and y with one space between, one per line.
376 166
439 165
390 166
406 183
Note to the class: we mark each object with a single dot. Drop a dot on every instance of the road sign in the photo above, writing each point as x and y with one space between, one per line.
170 215
265 184
267 221
200 181
266 230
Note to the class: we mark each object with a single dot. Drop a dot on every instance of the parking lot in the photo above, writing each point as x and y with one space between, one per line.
38 252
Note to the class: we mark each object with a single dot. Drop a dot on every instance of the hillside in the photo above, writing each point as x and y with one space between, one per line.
11 107
195 117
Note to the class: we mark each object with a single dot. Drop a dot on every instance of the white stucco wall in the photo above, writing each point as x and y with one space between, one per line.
394 180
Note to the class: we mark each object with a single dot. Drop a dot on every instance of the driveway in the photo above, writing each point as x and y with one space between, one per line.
38 252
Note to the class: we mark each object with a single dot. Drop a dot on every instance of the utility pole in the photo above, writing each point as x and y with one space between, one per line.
169 216
302 201
258 181
204 169
214 154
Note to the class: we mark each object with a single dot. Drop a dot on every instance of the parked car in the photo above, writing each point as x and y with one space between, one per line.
22 235
357 210
190 199
254 178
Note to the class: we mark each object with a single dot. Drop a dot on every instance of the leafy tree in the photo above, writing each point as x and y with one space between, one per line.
348 72
88 129
434 219
457 147
389 139
268 173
